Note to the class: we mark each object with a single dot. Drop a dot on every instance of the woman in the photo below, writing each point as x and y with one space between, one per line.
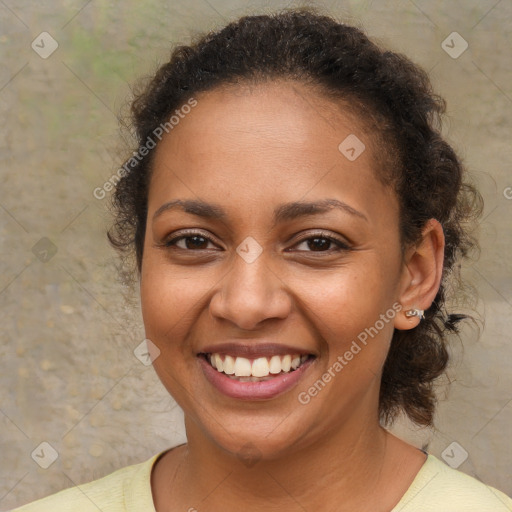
296 218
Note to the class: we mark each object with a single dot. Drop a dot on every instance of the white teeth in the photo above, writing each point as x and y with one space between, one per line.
218 362
275 365
260 367
257 368
242 367
229 365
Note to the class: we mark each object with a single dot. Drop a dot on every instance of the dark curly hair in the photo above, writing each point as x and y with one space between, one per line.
393 97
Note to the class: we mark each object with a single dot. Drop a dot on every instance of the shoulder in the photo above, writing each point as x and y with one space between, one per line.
439 487
126 489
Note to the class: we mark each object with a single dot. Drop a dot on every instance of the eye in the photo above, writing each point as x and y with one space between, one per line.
322 242
190 241
319 242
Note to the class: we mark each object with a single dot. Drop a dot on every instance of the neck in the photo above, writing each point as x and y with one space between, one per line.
344 463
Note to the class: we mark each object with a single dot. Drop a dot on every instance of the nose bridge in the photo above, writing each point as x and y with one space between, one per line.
250 272
250 292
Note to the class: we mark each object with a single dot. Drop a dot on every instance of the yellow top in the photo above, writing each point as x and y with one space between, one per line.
436 488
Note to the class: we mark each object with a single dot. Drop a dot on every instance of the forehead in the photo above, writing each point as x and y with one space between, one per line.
256 142
284 111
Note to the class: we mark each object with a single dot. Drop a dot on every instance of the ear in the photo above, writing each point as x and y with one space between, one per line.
421 274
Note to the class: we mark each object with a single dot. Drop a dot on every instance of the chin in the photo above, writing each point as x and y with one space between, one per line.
249 437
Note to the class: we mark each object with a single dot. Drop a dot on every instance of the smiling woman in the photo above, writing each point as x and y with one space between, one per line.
294 236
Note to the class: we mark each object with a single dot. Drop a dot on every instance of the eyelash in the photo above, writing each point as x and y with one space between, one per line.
341 245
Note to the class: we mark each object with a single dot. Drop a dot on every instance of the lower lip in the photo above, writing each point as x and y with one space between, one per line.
262 390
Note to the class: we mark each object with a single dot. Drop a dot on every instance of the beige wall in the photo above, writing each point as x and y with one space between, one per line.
68 374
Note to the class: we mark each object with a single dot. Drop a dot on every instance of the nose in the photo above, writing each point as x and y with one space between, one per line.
251 293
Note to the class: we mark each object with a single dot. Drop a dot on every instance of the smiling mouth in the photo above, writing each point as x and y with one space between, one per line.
255 370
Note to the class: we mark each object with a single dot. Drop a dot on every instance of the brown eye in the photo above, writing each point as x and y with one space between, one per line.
194 241
322 243
318 243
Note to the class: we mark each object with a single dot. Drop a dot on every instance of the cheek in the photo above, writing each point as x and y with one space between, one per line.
346 308
166 301
169 300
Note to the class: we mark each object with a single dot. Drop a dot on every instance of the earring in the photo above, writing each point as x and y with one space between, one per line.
415 312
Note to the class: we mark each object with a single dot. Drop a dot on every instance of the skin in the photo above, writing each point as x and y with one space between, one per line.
248 150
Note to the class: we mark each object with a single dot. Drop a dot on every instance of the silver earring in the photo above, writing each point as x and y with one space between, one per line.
415 312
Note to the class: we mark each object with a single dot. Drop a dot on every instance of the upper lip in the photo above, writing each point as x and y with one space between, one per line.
253 350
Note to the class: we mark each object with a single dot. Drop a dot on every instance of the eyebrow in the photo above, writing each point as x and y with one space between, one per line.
284 212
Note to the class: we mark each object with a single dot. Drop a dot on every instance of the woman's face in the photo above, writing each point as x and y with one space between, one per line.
248 268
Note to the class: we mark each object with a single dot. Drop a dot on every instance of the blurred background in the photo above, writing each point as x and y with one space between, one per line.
76 401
